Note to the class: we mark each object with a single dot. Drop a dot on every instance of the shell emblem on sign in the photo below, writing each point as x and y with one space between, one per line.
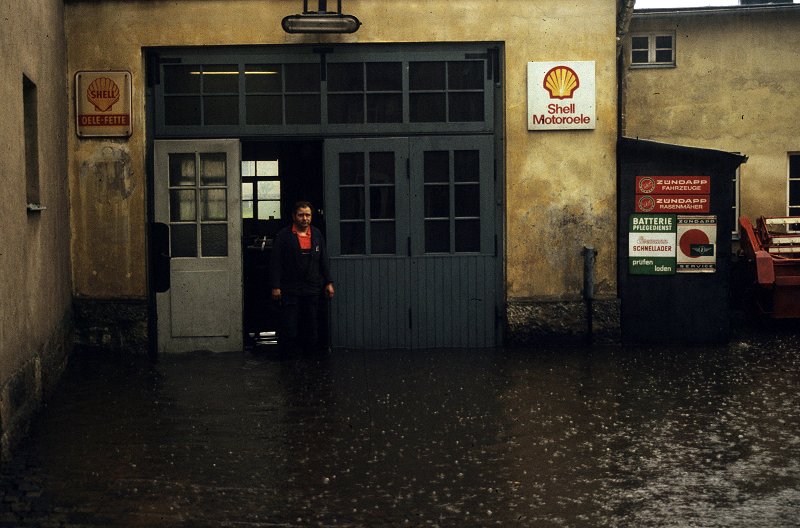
102 93
561 82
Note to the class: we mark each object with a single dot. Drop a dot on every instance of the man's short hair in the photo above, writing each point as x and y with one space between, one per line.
301 204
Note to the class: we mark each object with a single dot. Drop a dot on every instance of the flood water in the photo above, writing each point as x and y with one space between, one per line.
617 436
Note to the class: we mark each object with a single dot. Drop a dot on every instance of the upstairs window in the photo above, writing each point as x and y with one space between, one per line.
652 49
794 185
31 125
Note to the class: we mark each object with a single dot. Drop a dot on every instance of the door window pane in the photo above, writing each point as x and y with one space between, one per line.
468 200
263 78
183 240
221 110
465 107
381 167
182 207
347 108
248 169
264 109
181 80
181 170
466 165
437 201
426 75
247 209
351 203
382 238
381 202
465 75
384 108
269 190
346 77
212 204
302 109
214 240
351 168
427 107
353 239
267 168
302 77
436 166
270 210
247 191
213 169
384 76
468 235
222 78
181 110
437 236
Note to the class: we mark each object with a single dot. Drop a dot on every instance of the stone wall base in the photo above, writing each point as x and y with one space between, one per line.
21 396
118 325
534 322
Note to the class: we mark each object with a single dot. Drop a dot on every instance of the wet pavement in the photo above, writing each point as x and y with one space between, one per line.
618 436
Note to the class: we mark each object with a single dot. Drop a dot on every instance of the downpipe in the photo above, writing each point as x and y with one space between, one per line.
589 257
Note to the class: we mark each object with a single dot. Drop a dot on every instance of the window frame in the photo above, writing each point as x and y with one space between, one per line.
792 207
652 49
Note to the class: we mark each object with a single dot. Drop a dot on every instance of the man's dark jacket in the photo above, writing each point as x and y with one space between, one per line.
293 273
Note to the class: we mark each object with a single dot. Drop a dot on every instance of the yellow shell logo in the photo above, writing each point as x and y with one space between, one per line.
102 93
561 82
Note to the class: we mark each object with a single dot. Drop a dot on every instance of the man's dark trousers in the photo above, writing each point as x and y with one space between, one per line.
299 314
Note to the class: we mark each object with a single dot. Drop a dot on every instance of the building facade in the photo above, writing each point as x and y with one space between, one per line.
544 195
35 279
153 146
722 78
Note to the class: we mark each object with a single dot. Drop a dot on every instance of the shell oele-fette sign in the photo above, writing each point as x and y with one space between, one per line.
103 103
561 95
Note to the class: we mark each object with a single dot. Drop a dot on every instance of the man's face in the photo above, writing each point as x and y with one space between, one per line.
302 217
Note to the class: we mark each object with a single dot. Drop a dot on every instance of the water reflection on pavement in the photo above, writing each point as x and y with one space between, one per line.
644 436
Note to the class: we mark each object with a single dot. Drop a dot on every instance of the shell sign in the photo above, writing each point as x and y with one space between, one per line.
103 103
561 95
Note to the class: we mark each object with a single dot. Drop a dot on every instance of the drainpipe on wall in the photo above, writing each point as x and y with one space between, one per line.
589 256
624 16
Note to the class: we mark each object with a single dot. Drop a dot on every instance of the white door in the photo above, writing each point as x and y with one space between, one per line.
197 194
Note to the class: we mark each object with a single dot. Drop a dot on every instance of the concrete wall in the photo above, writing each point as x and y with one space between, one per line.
561 186
35 285
735 88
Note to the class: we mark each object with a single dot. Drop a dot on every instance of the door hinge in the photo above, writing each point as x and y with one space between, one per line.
495 244
408 168
408 246
409 319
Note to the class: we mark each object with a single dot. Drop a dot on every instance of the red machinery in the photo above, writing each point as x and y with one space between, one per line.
772 249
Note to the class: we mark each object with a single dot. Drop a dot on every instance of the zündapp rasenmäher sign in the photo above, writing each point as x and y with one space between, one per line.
651 244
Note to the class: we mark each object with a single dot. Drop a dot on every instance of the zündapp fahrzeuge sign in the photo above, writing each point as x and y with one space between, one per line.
103 103
673 194
651 244
561 95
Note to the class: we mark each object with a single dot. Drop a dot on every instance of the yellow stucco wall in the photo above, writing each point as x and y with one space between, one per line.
35 287
735 88
34 254
561 186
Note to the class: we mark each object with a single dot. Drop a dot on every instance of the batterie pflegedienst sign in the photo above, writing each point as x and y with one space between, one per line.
651 244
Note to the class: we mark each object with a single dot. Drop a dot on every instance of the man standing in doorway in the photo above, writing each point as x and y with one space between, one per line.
299 271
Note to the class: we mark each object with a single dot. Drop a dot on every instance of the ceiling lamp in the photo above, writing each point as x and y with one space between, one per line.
321 20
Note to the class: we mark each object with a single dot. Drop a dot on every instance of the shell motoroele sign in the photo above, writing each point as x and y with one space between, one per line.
103 103
561 95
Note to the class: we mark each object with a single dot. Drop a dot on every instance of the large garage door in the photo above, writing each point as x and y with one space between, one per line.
411 228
